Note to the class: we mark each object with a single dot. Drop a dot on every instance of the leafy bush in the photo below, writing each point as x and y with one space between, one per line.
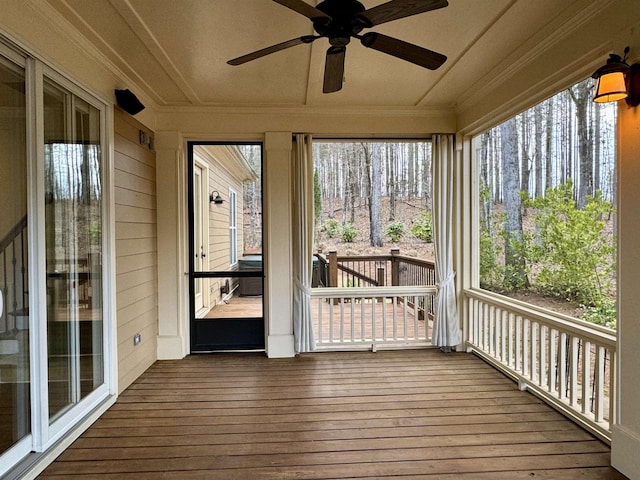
331 228
423 227
395 231
576 260
491 273
604 313
349 232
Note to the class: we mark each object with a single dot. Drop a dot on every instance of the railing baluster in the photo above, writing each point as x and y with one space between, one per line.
511 339
342 320
416 313
519 349
562 366
363 335
553 364
384 322
320 322
573 365
405 319
598 384
331 321
542 354
374 319
395 317
586 376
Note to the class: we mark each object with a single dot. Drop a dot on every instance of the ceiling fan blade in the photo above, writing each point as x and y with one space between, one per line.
334 69
305 9
396 9
272 49
401 49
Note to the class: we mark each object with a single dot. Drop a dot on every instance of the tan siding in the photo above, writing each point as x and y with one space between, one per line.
136 250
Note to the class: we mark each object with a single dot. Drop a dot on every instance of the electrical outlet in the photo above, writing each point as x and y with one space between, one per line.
136 339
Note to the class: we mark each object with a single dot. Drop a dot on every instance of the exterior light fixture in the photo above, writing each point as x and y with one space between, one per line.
617 80
215 198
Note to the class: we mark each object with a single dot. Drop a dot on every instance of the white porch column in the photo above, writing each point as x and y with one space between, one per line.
625 443
173 294
278 245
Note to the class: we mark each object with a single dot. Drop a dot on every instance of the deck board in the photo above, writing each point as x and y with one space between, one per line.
399 414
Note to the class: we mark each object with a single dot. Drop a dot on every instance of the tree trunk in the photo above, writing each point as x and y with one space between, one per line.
372 156
548 183
537 151
392 183
581 96
515 275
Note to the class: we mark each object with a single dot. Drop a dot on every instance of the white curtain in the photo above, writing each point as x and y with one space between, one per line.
302 243
446 328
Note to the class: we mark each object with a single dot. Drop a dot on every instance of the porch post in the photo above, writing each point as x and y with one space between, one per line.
333 269
395 267
278 268
173 293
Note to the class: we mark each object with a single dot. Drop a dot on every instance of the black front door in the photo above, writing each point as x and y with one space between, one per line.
225 246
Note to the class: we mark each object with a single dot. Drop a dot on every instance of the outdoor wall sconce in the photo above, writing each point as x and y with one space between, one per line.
215 198
617 80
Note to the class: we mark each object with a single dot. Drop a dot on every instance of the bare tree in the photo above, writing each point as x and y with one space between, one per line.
581 95
374 174
515 275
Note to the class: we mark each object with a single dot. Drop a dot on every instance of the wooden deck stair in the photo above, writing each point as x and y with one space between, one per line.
397 414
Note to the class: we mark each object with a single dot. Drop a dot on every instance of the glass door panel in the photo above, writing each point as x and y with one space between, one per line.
73 231
15 412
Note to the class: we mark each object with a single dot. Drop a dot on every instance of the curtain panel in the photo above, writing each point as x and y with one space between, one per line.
302 243
446 327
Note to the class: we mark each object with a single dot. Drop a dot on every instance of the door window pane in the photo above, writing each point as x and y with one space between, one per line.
14 260
73 230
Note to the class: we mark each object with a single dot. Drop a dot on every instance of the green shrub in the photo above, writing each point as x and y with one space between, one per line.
491 273
604 313
574 257
423 227
395 231
349 232
331 228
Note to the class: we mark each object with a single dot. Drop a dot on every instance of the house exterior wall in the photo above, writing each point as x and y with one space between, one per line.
136 249
219 248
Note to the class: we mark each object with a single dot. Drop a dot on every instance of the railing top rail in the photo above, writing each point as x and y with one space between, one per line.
597 333
363 258
373 292
416 261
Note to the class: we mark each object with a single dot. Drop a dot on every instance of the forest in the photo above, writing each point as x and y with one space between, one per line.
369 194
547 196
547 190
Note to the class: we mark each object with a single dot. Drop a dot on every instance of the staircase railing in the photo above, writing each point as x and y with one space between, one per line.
14 277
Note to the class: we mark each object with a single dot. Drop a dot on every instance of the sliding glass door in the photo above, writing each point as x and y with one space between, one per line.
55 342
73 231
15 397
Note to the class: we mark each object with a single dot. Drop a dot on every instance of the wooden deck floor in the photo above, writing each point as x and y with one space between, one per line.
415 415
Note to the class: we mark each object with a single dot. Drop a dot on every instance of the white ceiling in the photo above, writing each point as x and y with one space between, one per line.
176 50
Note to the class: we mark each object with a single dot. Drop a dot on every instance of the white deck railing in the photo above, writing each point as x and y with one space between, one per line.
567 362
372 317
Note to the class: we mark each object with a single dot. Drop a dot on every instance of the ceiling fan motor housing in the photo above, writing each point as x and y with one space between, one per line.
344 21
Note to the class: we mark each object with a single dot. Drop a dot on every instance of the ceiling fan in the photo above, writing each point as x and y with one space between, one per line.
340 20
